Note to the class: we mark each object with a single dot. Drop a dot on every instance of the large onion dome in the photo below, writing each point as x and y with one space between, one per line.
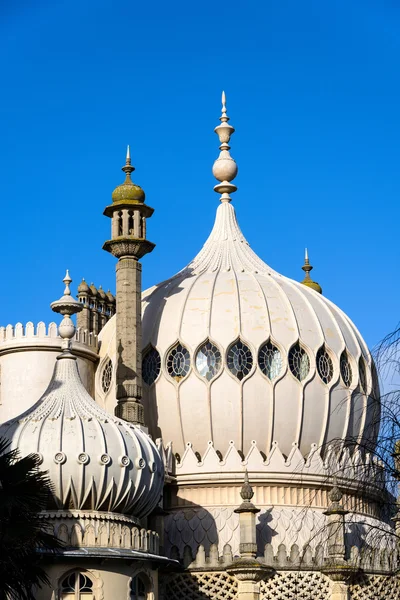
95 460
234 351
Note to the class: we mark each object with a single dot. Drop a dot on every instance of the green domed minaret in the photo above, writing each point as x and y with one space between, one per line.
128 243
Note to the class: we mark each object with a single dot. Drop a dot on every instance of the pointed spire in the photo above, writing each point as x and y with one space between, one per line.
307 268
225 168
127 168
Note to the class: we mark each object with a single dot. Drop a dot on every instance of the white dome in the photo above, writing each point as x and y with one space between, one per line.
95 460
225 295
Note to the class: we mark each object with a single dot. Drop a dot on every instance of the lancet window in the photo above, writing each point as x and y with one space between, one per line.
151 366
345 369
76 586
299 362
240 360
324 365
270 360
138 589
178 362
208 360
362 374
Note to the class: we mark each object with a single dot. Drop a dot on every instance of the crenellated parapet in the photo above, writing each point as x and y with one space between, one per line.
41 333
286 558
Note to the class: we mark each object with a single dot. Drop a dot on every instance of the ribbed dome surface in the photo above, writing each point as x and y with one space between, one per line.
95 461
227 296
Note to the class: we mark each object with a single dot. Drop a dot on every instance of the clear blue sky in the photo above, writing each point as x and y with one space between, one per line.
313 91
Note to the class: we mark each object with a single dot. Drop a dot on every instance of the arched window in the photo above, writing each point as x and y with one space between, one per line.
106 376
270 360
299 362
240 360
178 362
151 366
345 369
324 365
76 586
208 360
138 589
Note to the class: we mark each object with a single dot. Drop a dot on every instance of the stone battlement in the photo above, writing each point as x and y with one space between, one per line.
37 334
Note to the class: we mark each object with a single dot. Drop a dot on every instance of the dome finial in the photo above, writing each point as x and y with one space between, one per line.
224 168
307 279
66 306
127 168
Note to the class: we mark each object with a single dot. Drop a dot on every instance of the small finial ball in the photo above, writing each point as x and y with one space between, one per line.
225 169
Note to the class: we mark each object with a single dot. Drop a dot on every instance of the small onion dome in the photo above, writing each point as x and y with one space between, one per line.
101 293
95 461
128 191
93 290
110 297
313 285
83 286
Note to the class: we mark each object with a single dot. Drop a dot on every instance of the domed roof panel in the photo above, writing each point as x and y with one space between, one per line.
254 317
283 325
195 328
308 326
225 309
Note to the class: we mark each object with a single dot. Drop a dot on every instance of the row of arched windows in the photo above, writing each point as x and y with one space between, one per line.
208 362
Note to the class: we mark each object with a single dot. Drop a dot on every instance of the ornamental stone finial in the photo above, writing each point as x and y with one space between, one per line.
225 168
307 268
66 306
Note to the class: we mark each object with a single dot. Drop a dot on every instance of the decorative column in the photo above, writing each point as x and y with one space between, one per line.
128 243
336 565
247 570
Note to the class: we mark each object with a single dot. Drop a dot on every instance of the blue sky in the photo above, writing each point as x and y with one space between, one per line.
313 91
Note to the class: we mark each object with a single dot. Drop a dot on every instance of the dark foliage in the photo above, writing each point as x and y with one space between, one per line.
24 493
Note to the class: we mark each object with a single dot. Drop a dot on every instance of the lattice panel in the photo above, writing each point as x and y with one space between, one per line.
376 587
296 586
201 586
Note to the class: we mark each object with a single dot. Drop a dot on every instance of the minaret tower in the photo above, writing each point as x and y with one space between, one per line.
128 243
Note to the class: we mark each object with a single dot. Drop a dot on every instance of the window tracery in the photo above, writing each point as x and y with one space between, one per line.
151 366
299 362
345 369
270 360
178 362
324 365
77 586
240 360
208 360
106 376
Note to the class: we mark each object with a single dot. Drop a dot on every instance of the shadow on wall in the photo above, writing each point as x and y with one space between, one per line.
186 528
